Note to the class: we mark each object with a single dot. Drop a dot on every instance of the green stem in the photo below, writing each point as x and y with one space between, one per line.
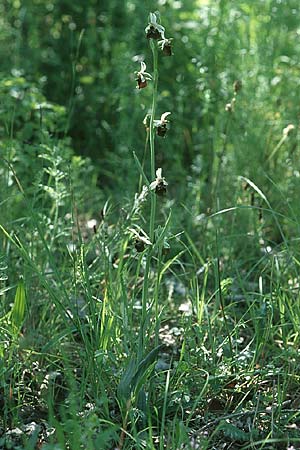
221 155
222 304
153 46
282 140
156 296
145 293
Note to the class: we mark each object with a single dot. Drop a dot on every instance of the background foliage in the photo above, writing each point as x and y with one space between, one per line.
74 51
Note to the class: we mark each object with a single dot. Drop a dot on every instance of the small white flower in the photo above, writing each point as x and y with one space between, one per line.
159 185
142 76
154 30
162 124
141 239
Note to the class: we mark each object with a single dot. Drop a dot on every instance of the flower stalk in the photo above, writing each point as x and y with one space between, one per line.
145 292
155 33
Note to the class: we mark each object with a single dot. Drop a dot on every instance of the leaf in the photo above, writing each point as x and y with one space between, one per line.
141 170
132 378
144 365
233 432
169 263
160 238
18 309
253 185
124 387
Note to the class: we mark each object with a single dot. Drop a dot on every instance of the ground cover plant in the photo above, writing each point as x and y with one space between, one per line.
149 226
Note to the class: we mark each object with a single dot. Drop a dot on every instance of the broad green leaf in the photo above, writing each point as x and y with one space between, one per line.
144 365
135 374
124 387
18 309
233 432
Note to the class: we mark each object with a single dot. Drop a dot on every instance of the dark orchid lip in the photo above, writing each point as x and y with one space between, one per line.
162 130
142 76
141 82
167 50
161 188
153 33
237 86
166 46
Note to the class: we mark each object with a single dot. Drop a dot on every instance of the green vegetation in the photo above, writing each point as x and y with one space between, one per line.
149 226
